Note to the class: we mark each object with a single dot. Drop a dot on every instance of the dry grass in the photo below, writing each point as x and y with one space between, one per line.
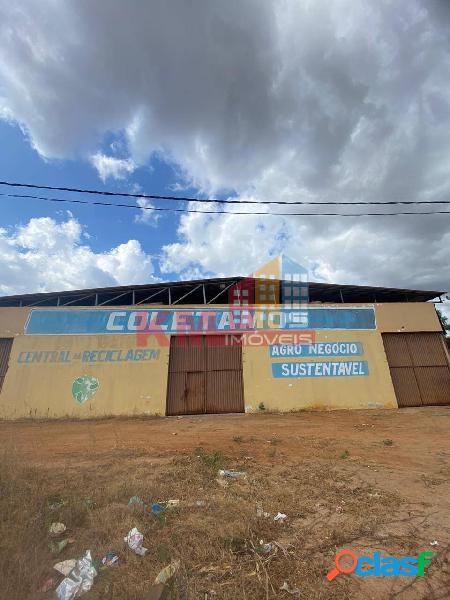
218 545
334 476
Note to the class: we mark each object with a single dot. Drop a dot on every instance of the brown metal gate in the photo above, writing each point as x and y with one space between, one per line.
5 351
419 368
205 376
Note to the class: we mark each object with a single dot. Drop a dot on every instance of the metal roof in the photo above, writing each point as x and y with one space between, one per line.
208 291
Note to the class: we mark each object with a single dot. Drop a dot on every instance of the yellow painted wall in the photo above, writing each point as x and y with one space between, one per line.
12 321
44 389
404 317
284 394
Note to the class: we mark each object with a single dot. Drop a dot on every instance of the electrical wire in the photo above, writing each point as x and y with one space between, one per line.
211 200
217 212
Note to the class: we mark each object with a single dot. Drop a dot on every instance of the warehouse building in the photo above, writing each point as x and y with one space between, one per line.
219 346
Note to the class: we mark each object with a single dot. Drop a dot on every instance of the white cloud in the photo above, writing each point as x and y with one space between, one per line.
281 99
146 216
46 255
108 166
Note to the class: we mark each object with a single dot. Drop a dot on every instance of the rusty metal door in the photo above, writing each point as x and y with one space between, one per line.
224 381
205 376
5 351
419 368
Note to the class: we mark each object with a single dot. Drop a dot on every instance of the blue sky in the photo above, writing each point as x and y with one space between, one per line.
292 101
106 227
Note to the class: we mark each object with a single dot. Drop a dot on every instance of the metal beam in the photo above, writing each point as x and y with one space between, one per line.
151 296
114 298
76 300
221 292
204 293
40 302
187 293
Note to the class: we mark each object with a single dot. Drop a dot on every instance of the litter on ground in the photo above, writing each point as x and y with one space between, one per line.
157 508
65 566
293 591
134 540
135 500
58 547
260 513
57 528
80 580
110 559
231 473
48 585
165 574
172 503
280 517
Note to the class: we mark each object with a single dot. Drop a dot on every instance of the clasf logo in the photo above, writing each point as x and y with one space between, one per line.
389 566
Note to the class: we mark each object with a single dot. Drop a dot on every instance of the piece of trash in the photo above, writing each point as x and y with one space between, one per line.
135 500
110 559
165 574
231 473
434 543
65 566
293 591
339 509
172 503
280 517
57 528
196 503
134 540
375 495
58 504
80 580
58 547
218 569
260 513
88 503
266 548
157 508
48 585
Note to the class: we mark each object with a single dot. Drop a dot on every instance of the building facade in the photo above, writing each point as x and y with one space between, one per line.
95 353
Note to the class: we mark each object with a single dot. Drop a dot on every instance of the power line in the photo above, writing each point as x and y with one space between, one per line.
216 212
211 200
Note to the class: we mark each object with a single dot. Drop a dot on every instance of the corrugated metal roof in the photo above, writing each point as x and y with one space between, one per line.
208 291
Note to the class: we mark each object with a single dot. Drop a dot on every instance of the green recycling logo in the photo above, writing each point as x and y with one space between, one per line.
84 388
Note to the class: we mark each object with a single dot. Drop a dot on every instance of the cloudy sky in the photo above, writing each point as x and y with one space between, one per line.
343 100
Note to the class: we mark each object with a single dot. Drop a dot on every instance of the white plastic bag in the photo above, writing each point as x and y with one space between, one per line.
134 540
57 528
64 567
280 517
80 580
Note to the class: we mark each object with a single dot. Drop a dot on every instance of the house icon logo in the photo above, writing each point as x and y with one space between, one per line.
279 282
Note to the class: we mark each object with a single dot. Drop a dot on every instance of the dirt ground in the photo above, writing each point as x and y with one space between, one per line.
364 481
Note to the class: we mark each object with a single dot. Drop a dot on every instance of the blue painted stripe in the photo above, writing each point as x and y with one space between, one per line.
317 349
128 321
344 368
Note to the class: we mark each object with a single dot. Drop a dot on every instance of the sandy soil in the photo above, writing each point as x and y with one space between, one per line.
391 468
